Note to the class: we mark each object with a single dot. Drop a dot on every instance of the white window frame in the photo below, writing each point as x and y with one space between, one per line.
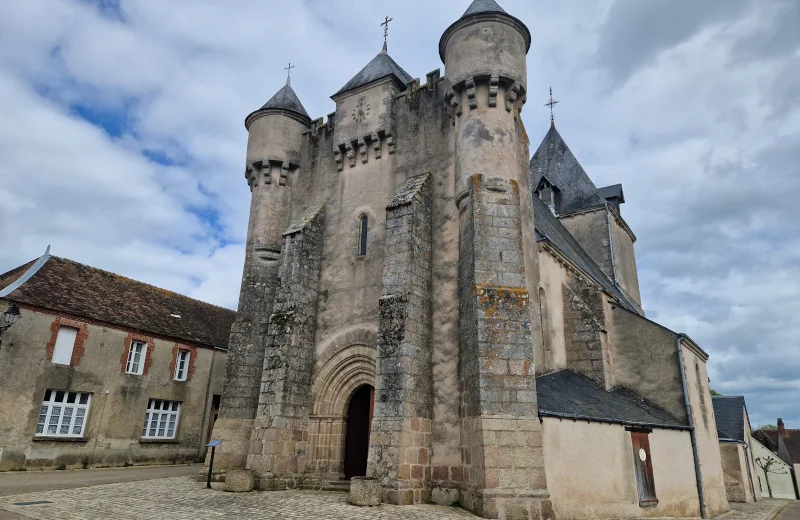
182 360
137 354
161 419
63 414
65 344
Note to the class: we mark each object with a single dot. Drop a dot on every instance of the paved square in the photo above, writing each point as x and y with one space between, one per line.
182 498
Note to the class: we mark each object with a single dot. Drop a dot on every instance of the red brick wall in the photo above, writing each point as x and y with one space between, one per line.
148 356
78 350
192 356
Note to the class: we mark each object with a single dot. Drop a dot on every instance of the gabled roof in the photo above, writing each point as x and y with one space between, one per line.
611 192
64 286
380 67
286 99
729 414
549 228
555 160
567 394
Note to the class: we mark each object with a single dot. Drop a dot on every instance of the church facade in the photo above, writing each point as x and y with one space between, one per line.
425 304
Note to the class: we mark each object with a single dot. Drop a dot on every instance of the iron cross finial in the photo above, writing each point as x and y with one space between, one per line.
551 104
385 25
289 73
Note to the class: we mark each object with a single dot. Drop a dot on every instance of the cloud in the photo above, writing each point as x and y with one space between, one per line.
123 142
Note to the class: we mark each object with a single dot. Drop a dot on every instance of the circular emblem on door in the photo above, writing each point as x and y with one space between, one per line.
642 454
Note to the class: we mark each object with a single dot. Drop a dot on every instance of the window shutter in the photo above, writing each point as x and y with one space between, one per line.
65 341
643 467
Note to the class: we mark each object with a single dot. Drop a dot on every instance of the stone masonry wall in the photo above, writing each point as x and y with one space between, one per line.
501 437
400 443
246 357
280 435
583 328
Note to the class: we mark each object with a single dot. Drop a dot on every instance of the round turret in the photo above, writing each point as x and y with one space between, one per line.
484 53
485 41
273 152
276 129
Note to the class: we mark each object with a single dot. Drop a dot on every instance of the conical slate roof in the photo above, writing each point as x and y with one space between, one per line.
483 6
286 99
555 160
380 67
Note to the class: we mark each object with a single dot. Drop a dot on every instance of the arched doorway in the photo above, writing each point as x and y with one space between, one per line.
359 420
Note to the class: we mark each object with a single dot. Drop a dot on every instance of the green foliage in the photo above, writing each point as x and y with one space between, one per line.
715 393
127 465
61 467
769 427
18 469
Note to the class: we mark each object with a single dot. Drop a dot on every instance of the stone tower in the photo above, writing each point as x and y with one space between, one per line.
484 53
387 303
273 150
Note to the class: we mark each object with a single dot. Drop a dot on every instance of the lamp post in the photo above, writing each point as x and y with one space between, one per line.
10 317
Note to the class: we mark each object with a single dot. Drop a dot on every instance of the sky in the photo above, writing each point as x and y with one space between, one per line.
122 142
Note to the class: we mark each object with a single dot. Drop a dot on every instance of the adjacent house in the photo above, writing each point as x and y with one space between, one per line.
100 369
735 445
785 443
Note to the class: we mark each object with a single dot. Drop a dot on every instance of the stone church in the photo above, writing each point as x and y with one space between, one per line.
425 304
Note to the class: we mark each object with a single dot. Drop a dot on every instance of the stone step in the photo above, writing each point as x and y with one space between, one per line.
337 485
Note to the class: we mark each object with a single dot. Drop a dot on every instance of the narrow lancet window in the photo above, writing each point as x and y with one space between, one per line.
362 243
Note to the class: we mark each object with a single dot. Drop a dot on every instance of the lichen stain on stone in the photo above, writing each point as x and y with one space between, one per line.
477 133
493 298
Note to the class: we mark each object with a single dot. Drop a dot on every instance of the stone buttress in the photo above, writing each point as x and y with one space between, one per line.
273 151
400 444
279 445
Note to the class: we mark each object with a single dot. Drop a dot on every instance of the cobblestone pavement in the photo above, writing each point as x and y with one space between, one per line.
764 509
182 498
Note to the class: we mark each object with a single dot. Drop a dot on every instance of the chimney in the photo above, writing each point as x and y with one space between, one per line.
781 429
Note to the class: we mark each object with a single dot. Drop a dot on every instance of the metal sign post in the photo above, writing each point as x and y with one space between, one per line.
213 445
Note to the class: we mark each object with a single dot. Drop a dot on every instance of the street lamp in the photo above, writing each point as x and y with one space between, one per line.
10 317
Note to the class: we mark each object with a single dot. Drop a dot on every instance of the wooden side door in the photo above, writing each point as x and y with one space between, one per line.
643 467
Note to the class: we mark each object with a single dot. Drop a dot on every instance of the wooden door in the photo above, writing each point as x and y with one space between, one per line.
643 467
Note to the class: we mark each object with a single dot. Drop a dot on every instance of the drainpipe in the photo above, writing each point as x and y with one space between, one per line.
611 247
692 433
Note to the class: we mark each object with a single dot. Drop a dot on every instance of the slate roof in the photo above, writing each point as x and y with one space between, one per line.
554 159
729 414
286 99
483 6
380 67
62 285
570 395
548 227
611 192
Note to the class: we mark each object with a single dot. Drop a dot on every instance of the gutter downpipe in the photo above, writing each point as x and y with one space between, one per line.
692 433
611 247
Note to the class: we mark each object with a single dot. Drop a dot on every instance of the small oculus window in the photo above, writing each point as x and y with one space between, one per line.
63 414
161 419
